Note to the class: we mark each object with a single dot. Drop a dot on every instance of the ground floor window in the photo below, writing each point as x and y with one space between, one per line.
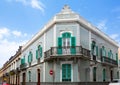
29 76
104 74
66 72
94 74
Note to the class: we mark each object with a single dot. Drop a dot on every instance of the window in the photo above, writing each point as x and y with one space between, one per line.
29 73
103 51
30 56
66 44
66 72
104 74
39 52
117 74
110 54
94 74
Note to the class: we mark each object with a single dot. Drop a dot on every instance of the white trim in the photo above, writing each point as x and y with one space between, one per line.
54 35
66 62
78 35
44 45
44 72
89 40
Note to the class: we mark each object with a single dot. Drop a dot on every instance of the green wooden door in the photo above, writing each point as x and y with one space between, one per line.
66 72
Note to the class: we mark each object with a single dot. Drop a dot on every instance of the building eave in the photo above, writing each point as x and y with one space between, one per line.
80 20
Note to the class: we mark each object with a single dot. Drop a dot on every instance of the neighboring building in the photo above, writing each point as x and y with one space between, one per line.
70 49
10 71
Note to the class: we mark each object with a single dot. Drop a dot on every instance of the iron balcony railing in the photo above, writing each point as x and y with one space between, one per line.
61 51
23 66
108 60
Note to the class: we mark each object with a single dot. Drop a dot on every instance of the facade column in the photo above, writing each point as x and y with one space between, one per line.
54 35
89 40
78 35
44 62
91 73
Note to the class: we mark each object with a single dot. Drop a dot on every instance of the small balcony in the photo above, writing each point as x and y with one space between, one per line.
12 72
23 66
67 53
109 61
17 69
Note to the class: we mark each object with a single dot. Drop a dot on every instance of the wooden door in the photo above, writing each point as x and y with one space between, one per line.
38 83
24 78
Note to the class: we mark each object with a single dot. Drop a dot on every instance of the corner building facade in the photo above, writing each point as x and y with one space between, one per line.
71 49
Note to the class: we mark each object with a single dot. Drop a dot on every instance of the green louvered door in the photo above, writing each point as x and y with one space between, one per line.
66 72
73 44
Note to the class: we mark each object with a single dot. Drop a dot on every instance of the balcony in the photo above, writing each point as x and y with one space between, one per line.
67 53
109 61
17 69
23 66
12 72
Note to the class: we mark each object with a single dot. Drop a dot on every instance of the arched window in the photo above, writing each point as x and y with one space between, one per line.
29 74
103 51
30 57
39 52
110 54
66 42
94 48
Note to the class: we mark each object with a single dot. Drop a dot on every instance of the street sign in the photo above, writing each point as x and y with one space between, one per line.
51 72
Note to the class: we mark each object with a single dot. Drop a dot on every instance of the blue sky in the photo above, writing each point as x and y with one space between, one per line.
21 19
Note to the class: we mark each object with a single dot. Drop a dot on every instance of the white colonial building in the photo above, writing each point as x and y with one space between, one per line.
69 48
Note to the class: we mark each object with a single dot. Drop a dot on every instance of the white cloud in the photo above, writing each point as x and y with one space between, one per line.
37 4
17 33
4 32
9 47
114 36
102 25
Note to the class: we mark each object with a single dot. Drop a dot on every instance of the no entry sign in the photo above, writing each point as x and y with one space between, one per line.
51 72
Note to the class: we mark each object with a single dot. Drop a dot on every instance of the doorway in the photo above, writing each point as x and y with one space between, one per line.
24 78
38 73
111 75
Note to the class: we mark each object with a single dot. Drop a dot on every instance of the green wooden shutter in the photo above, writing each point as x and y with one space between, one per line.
36 54
28 59
21 61
59 50
73 44
68 72
63 72
40 51
96 50
31 56
104 74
